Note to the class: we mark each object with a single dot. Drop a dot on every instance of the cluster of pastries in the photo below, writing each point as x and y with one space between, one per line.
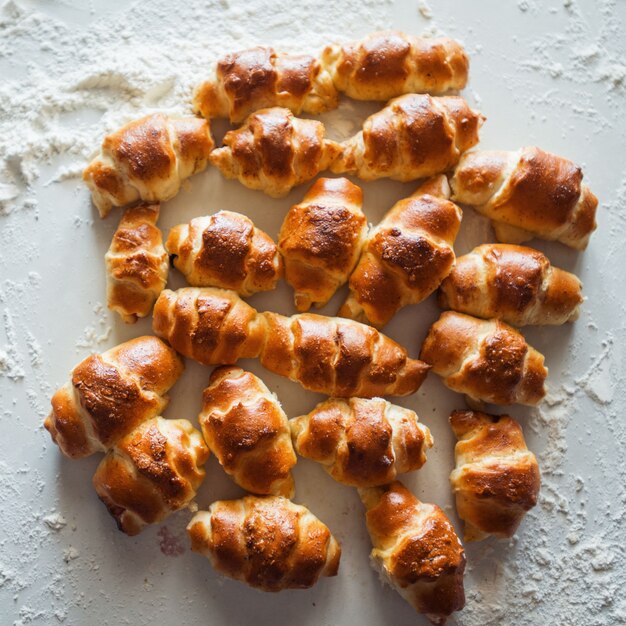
113 402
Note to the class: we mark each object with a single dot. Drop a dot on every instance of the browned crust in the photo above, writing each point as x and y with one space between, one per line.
117 391
423 555
356 440
487 360
494 486
389 63
212 326
234 254
248 431
155 470
269 543
513 283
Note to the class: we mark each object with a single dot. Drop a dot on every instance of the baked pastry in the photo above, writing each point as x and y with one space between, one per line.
528 193
496 479
339 357
360 442
414 136
248 431
110 394
274 151
211 326
487 360
512 283
147 159
267 542
416 550
406 256
321 239
225 250
136 263
330 355
256 78
387 64
153 471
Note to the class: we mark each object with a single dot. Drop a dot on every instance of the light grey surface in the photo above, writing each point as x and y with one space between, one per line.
566 564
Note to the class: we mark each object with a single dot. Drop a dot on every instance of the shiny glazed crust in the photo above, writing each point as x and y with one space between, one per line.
406 256
512 283
147 160
485 359
110 394
248 431
225 250
267 542
387 64
151 472
136 263
416 550
360 442
274 151
256 78
528 193
414 136
321 239
496 479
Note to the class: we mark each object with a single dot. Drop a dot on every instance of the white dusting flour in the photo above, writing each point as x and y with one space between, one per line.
71 70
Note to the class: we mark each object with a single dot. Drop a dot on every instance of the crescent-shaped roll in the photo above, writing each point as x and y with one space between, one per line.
361 442
387 64
225 250
211 326
136 263
406 256
110 394
339 357
486 360
321 239
248 431
267 542
274 151
496 480
153 471
256 78
512 283
330 355
415 550
148 159
414 136
528 193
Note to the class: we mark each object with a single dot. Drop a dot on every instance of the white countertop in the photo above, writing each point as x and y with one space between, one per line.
546 73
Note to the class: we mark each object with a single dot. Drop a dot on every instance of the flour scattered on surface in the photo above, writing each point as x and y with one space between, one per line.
55 521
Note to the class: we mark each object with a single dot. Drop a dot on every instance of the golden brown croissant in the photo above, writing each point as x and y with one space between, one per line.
212 326
136 263
153 471
248 431
256 78
274 151
416 550
321 239
528 193
511 283
387 64
406 256
414 136
487 360
330 355
147 159
225 250
363 443
496 480
267 542
110 394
